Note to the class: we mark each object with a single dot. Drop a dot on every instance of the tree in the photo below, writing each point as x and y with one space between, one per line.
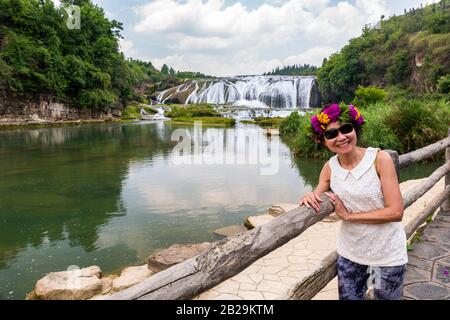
165 69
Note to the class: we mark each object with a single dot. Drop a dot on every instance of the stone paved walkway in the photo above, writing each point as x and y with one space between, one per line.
428 271
275 275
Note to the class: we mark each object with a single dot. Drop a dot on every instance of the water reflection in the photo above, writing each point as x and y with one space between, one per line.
110 194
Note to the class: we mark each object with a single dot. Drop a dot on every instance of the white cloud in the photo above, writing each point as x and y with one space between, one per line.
127 47
213 38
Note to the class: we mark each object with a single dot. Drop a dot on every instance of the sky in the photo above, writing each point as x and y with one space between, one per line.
242 37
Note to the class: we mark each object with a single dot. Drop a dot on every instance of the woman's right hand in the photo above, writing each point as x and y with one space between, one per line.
311 199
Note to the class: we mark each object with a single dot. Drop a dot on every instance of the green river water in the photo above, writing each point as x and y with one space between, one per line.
111 194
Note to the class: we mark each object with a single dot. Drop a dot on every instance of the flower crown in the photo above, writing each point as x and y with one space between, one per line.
334 113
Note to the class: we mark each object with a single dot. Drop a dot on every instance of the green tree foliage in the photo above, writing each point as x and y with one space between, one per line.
41 56
165 69
295 70
409 51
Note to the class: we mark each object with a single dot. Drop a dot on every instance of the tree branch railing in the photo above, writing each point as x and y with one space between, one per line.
228 257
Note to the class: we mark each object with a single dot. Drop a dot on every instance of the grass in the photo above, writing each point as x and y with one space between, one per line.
208 121
131 112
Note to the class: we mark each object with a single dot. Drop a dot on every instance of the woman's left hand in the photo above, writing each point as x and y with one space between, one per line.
339 206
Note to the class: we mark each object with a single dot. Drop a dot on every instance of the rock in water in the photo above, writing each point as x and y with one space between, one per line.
131 276
174 254
229 231
256 221
76 284
281 208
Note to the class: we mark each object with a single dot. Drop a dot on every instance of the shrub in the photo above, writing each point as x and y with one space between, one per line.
444 84
368 95
376 132
418 124
291 124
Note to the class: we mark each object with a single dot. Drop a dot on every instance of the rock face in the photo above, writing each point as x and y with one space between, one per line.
76 284
131 276
174 254
28 112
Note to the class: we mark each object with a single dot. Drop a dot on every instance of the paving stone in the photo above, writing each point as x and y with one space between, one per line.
414 275
251 295
420 263
441 274
247 287
434 233
445 219
272 286
428 250
426 291
445 260
227 296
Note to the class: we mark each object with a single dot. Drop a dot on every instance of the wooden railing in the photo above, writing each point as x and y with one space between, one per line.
230 256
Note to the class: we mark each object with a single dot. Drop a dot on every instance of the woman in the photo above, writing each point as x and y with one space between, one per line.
371 243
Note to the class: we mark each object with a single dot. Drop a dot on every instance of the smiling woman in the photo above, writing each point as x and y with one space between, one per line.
365 192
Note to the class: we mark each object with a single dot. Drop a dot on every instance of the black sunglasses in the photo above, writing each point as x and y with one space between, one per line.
333 133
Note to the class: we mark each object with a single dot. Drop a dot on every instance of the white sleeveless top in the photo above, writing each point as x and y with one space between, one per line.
382 245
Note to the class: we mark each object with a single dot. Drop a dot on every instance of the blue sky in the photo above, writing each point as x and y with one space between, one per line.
229 37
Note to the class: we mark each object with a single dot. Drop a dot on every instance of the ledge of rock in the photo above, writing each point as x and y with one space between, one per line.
174 254
256 221
131 276
78 284
281 208
229 231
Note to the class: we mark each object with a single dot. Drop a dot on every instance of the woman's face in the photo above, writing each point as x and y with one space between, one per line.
343 143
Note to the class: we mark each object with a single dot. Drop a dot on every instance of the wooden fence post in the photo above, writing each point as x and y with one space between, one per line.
446 205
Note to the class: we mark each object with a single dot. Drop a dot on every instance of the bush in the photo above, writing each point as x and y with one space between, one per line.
376 132
418 124
368 95
444 84
291 124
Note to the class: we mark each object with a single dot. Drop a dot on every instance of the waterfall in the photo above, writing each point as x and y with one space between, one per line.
278 92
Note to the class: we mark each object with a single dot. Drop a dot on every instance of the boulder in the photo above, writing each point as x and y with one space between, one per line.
229 231
131 276
281 208
107 283
174 254
78 284
256 221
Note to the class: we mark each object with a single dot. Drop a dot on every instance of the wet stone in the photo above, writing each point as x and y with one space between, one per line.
426 291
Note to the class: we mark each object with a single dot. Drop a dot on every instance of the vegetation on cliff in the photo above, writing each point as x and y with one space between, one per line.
41 57
409 51
295 70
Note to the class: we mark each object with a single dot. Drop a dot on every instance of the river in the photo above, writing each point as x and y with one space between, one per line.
111 194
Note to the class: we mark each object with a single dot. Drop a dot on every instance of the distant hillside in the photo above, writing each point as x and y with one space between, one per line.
411 51
41 58
295 70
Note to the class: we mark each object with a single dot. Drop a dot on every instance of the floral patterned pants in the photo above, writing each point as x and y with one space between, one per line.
354 279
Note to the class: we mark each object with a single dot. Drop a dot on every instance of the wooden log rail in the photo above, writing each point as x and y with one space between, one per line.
230 256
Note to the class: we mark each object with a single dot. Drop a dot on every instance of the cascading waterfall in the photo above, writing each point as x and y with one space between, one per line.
279 92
